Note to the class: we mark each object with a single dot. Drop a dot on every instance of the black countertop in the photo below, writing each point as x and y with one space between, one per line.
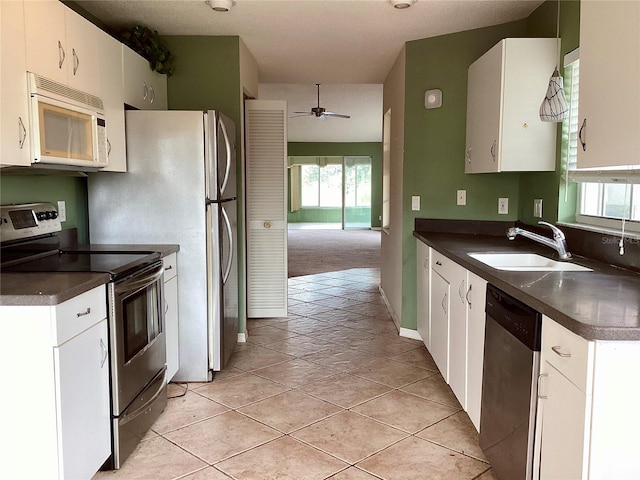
600 305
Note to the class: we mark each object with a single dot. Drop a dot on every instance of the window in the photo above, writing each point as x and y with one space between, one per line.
321 186
605 195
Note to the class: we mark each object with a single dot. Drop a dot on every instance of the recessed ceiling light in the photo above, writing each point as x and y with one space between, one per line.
402 3
221 5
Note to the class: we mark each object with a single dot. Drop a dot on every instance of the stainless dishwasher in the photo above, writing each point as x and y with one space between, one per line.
509 385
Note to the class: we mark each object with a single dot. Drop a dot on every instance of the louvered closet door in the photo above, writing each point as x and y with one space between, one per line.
266 142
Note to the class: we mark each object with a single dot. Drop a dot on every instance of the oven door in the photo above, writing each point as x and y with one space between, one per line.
136 333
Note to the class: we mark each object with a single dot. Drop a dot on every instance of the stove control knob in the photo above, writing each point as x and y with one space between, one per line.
41 215
52 215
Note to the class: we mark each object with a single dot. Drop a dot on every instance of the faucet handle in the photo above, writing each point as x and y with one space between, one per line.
557 233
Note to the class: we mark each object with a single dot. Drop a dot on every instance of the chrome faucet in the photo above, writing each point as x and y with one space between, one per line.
558 243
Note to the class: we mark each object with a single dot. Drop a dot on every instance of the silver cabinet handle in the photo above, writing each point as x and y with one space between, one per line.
467 296
493 150
461 291
61 55
76 61
425 264
170 267
438 263
145 91
108 147
104 353
82 314
22 132
166 308
444 303
558 351
540 396
153 94
583 137
468 155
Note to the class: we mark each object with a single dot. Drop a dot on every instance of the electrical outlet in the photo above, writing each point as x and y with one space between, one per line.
415 203
503 206
537 208
461 196
62 210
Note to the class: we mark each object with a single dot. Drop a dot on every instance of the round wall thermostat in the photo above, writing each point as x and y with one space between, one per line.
433 98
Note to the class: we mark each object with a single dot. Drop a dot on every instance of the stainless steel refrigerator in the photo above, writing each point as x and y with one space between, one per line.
180 188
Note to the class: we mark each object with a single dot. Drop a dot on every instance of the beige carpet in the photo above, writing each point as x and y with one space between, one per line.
318 251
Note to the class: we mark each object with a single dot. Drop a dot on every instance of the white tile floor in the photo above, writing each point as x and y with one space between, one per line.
331 391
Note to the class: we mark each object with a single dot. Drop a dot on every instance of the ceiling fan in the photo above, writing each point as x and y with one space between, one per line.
319 111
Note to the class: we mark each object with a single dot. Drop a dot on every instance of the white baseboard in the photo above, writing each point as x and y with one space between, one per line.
409 333
394 317
242 337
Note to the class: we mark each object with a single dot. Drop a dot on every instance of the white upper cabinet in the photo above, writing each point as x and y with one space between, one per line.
112 94
144 89
14 114
504 92
61 45
609 109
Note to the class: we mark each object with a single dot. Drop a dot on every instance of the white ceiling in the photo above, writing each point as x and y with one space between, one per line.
304 42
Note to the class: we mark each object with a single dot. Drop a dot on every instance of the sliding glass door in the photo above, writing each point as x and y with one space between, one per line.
356 210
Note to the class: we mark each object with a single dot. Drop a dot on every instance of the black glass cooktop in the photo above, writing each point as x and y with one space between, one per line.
114 263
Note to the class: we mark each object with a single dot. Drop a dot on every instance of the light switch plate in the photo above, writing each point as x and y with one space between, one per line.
461 197
415 203
62 210
537 208
503 206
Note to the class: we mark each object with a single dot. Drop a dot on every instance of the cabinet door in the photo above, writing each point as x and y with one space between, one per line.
564 417
609 107
476 300
440 298
171 326
112 94
14 115
144 89
423 272
82 383
484 91
458 333
46 45
83 66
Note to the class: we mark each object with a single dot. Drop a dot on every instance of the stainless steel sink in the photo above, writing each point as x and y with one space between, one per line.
526 262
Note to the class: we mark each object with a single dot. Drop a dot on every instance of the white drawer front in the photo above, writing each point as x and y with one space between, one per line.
78 314
170 264
571 354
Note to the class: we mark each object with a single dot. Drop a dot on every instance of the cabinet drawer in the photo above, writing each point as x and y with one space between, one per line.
78 314
571 354
441 264
170 264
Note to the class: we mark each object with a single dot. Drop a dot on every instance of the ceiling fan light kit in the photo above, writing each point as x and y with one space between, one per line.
220 5
401 4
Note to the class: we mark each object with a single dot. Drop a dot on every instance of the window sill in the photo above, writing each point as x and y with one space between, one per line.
600 229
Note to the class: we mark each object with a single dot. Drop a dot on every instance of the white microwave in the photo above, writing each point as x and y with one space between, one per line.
68 126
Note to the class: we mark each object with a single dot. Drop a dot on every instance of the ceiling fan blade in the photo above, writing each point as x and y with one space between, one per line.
305 113
338 115
301 114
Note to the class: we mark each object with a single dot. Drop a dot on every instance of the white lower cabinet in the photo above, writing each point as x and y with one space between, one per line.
588 420
423 280
170 264
476 319
56 414
456 326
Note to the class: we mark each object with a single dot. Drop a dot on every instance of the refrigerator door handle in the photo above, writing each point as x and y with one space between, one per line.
227 269
227 144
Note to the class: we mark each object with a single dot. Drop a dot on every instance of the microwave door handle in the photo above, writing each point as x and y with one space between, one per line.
227 144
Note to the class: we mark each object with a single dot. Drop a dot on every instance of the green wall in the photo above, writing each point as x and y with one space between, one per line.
207 77
549 185
50 188
435 139
330 149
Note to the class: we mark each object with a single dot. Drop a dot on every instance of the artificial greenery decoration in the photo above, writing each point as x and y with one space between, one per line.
147 43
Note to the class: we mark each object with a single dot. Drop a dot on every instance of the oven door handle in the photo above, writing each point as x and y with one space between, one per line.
128 416
138 283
